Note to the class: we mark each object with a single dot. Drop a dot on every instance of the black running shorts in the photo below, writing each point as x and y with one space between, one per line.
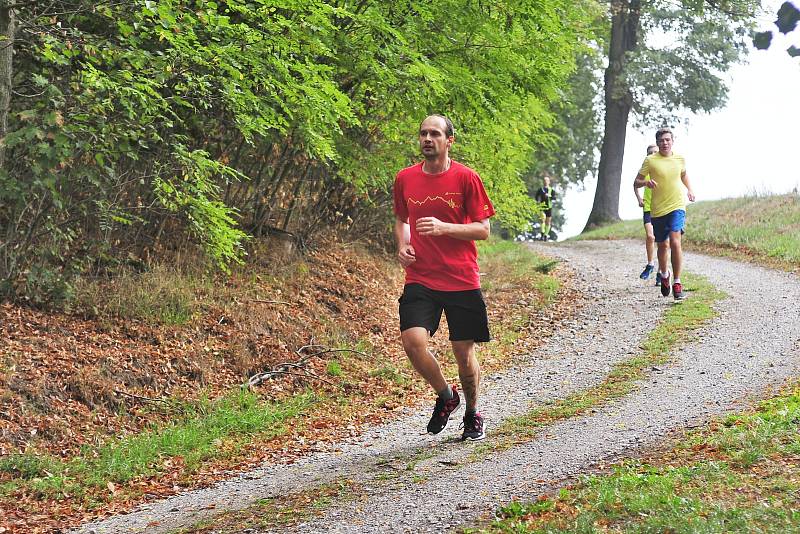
465 312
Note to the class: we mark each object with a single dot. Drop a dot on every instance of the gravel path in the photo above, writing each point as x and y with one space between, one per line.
405 481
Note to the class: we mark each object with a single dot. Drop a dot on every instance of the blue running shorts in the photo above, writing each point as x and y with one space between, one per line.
673 221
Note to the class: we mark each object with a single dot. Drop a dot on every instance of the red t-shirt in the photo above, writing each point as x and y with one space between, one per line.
443 263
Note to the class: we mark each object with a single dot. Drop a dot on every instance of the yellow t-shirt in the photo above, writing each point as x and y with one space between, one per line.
670 194
648 195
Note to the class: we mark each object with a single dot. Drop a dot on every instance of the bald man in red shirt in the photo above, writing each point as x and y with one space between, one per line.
441 209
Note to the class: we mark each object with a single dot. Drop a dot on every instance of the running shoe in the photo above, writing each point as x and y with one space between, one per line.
646 273
677 291
473 427
658 278
442 411
665 286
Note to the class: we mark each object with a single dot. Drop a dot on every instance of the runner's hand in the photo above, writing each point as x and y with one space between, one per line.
652 184
691 196
641 203
430 226
406 255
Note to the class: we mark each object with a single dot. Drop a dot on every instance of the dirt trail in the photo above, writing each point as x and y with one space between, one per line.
400 480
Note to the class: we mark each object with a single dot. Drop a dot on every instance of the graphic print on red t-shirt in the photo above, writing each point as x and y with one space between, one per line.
443 263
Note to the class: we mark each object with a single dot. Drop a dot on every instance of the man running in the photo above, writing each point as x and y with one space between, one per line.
665 171
444 205
649 240
545 195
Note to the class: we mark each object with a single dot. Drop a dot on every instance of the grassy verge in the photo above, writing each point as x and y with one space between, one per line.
211 430
762 229
511 264
674 329
737 475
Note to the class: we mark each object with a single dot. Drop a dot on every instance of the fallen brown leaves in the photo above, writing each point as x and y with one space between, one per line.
66 382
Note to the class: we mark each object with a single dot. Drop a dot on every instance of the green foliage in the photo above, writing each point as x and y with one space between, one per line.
334 368
193 193
669 78
149 124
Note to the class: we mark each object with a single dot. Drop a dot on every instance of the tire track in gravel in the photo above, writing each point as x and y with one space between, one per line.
752 345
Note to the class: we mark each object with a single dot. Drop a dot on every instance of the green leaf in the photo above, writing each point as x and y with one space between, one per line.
788 17
762 40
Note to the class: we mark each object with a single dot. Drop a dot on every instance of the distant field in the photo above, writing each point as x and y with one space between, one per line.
764 229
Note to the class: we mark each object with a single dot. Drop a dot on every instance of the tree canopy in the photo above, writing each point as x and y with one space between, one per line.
136 126
665 60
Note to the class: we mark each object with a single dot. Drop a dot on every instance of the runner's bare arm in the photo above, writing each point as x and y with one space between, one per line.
641 181
402 235
685 180
639 198
474 231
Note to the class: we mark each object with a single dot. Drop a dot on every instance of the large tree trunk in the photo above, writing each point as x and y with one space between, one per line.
6 70
618 103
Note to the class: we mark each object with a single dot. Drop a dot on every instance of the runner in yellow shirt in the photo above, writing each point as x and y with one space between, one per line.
649 238
665 173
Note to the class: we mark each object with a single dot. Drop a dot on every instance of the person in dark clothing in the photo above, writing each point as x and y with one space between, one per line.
546 195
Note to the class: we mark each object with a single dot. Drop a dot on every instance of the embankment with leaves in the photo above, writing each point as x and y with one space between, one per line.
153 394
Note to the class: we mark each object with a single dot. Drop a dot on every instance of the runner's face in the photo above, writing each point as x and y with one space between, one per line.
665 144
433 140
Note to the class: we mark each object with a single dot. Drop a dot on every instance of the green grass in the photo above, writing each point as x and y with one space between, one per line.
763 227
507 262
740 475
334 368
674 329
213 430
162 295
390 372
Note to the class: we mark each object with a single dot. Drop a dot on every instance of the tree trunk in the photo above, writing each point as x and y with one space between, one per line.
618 103
6 69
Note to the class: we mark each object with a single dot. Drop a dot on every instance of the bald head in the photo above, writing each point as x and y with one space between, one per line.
435 137
440 121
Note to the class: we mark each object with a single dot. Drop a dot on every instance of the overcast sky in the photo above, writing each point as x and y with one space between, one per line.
750 146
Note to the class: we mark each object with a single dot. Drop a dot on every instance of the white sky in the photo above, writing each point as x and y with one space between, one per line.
747 147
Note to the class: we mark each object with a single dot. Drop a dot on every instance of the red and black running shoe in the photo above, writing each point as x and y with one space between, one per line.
665 285
677 291
473 427
442 412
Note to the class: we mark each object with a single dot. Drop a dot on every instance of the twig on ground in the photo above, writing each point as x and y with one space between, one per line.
305 356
